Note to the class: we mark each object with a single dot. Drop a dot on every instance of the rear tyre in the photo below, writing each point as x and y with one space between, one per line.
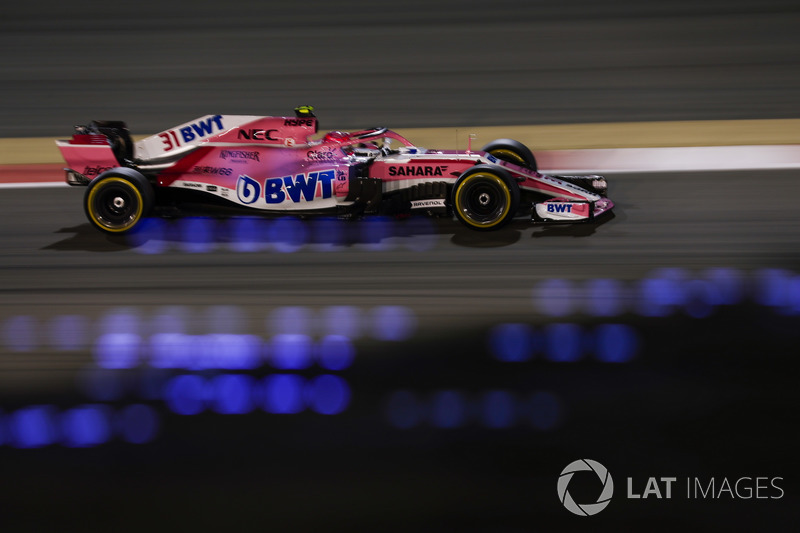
117 200
513 152
485 198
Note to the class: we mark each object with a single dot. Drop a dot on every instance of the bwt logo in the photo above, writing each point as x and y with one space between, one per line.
559 208
288 188
585 509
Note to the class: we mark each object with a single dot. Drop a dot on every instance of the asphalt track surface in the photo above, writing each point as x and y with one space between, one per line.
397 64
710 397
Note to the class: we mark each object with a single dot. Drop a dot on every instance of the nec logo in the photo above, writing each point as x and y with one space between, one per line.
257 135
559 208
288 188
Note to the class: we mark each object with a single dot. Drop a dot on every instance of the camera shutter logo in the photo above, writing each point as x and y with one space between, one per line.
585 509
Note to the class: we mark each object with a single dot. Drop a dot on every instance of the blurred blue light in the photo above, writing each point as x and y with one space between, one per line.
196 235
225 319
448 409
101 385
69 332
232 352
772 287
34 427
604 297
171 350
201 352
117 350
86 426
335 352
171 319
20 333
294 320
616 343
793 296
232 394
291 352
328 234
512 342
403 409
185 394
554 297
342 320
498 409
121 320
283 394
393 323
564 343
729 284
701 296
247 234
659 295
150 237
376 234
545 411
288 235
328 394
138 424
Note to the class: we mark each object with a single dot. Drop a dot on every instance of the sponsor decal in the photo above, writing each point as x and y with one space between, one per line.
559 208
94 171
211 188
297 188
192 185
212 171
239 155
308 122
257 135
417 171
192 132
325 154
422 204
247 189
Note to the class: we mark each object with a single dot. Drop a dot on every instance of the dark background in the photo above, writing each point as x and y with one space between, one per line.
398 64
703 397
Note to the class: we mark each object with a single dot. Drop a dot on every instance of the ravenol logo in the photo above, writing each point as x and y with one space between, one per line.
585 509
292 188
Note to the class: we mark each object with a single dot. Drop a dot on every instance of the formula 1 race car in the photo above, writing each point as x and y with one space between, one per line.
271 165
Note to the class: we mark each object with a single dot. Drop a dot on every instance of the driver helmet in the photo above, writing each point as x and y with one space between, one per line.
336 136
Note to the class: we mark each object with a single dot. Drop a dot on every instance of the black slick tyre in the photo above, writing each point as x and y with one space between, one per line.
485 197
117 200
513 152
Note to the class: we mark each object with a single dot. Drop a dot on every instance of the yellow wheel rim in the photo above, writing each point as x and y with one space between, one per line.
112 212
466 207
508 155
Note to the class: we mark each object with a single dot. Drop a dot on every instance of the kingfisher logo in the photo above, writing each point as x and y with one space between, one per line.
585 509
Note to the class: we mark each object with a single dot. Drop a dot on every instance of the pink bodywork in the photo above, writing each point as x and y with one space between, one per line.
274 163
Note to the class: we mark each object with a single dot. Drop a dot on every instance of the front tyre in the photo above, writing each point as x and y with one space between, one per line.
512 151
118 200
485 198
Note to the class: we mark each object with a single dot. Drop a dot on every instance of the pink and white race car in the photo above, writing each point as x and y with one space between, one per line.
272 165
